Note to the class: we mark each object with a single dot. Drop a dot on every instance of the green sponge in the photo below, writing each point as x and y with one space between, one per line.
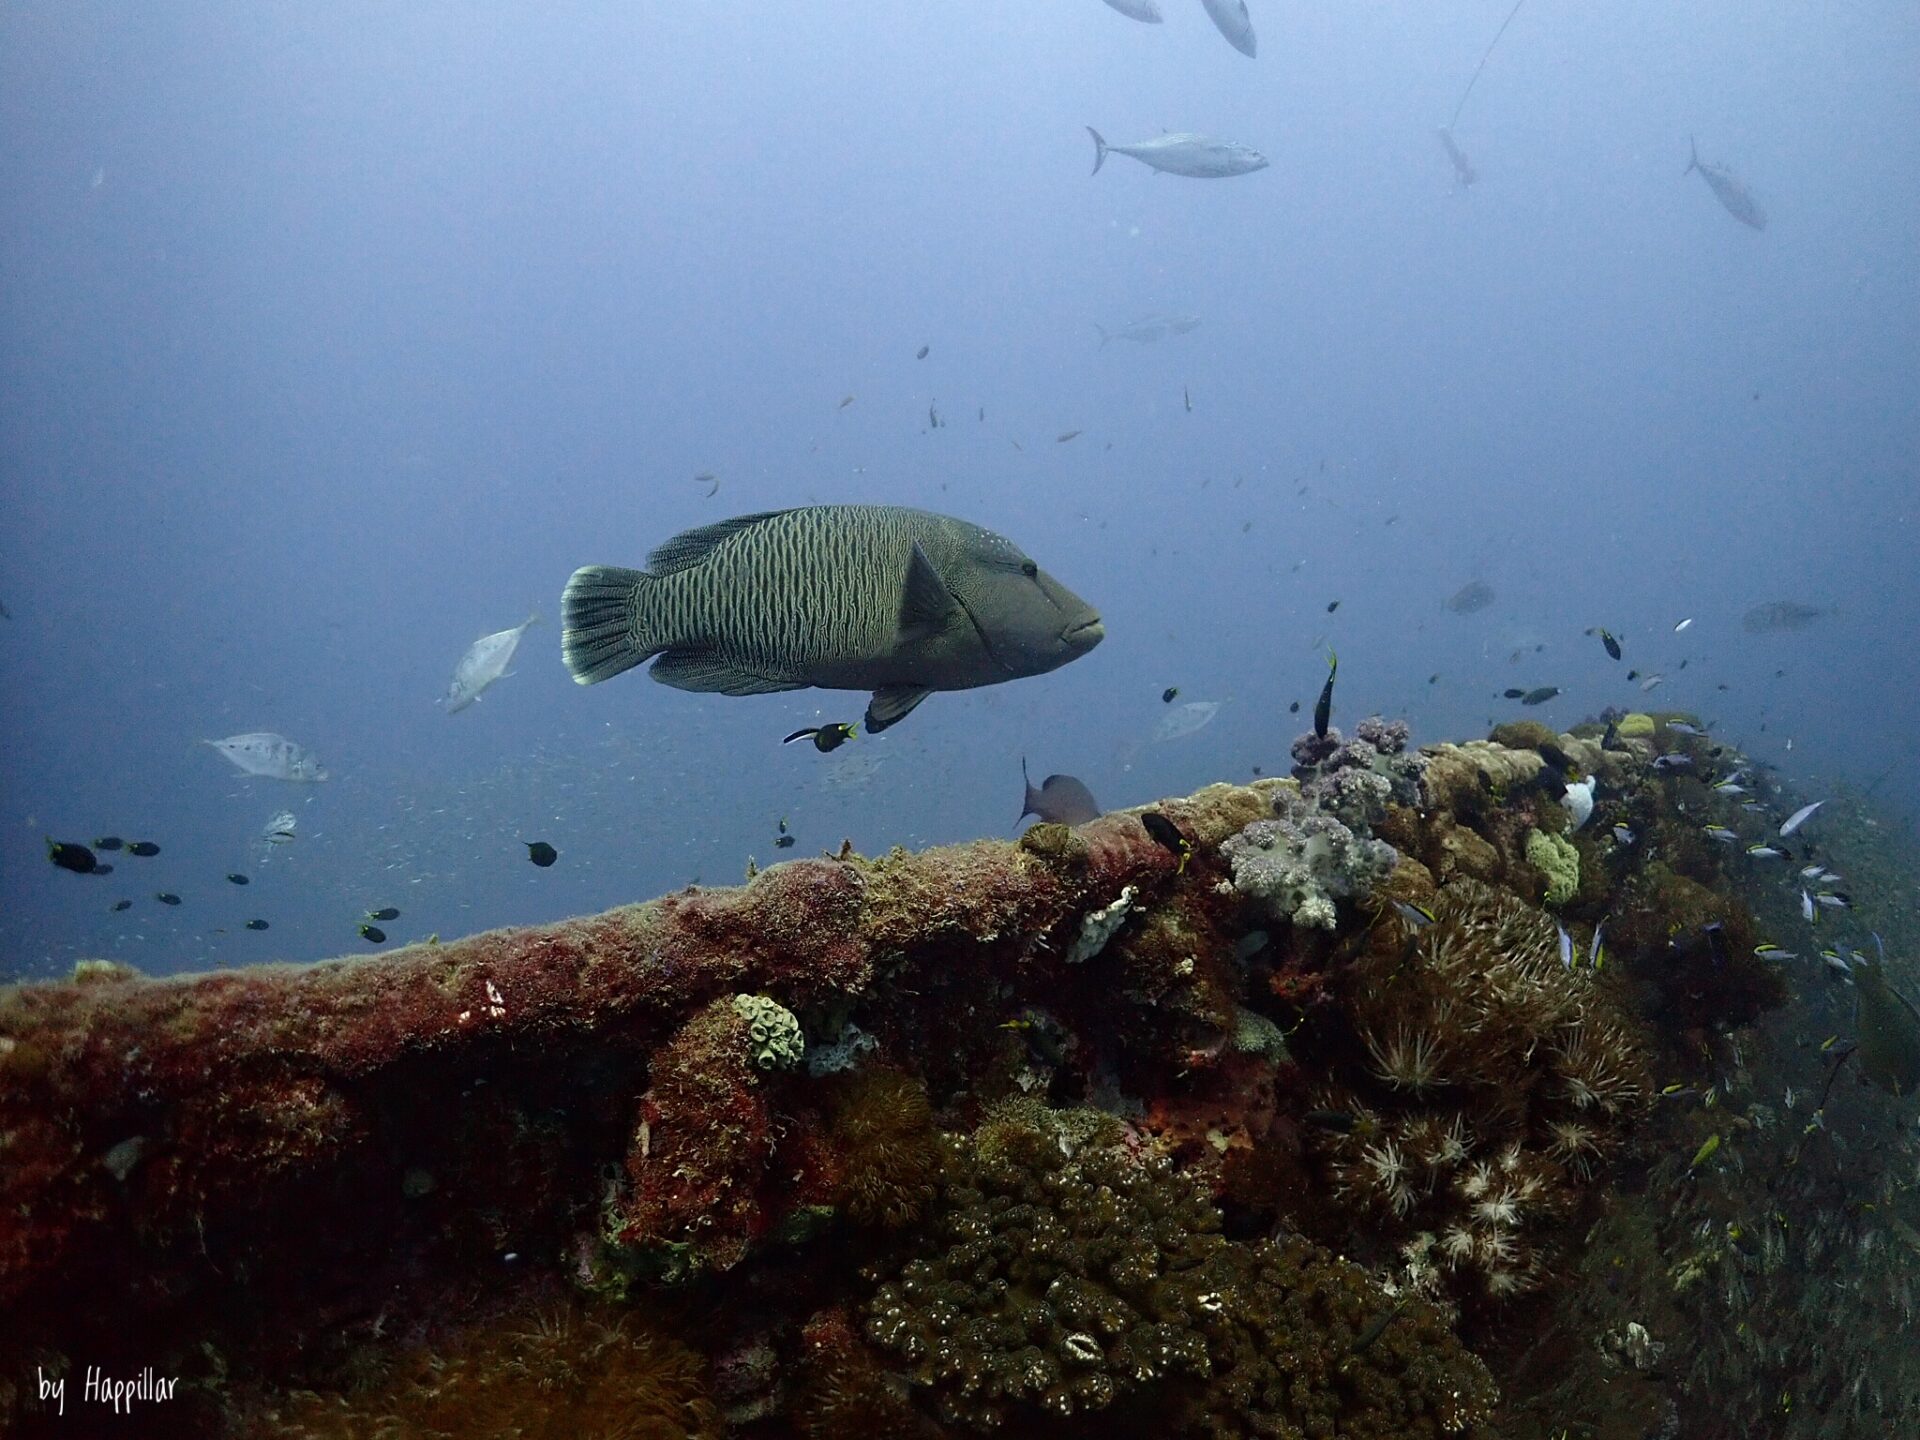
1556 858
777 1041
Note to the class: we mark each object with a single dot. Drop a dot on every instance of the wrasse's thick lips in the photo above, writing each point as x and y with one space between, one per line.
1086 630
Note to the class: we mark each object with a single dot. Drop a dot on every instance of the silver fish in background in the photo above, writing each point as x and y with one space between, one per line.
1232 20
1463 170
1732 194
1148 329
845 597
1470 598
1194 715
1199 157
1145 11
486 661
1779 615
262 752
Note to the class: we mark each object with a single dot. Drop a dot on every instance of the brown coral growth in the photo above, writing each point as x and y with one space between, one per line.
558 1375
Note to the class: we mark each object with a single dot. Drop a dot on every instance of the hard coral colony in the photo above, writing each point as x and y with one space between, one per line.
1292 1114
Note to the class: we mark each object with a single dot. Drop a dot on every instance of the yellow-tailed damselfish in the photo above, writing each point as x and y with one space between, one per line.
825 737
68 856
1167 835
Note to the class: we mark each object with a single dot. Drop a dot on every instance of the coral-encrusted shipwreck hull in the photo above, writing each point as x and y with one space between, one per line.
1135 1069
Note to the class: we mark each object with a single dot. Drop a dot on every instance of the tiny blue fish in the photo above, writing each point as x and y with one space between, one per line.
1766 852
1721 833
1623 835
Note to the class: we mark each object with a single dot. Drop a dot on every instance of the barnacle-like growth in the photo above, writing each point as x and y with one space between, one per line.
1057 1282
773 1030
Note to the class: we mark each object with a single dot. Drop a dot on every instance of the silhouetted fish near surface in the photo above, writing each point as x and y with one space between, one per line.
237 878
166 897
1199 157
1231 19
844 597
145 849
69 856
123 905
921 354
257 925
1065 436
1607 640
1167 695
1145 11
108 842
540 852
1727 189
1463 170
373 934
1469 598
1779 615
387 912
1540 695
1060 800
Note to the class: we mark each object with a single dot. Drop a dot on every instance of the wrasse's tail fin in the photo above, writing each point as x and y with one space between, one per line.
1693 163
601 630
1099 149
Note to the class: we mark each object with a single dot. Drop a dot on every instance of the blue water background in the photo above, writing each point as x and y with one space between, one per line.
333 337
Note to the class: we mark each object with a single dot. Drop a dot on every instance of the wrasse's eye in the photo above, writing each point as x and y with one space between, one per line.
1029 569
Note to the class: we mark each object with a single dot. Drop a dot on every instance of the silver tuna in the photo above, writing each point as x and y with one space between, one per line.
1233 21
1148 329
1727 189
846 597
262 752
1199 156
486 661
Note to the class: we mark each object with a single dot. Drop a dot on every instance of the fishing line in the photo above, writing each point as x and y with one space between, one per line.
1483 63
